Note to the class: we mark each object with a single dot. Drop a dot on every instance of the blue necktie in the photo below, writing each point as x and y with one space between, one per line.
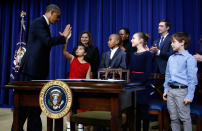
161 42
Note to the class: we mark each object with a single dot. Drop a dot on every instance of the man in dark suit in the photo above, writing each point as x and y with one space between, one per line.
35 62
162 47
115 58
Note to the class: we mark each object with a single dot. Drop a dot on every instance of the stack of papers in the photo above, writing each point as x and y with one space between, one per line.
91 80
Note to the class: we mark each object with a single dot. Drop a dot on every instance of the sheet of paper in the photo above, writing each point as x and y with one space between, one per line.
91 80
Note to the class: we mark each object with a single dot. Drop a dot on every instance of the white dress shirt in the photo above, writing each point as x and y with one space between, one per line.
47 21
113 52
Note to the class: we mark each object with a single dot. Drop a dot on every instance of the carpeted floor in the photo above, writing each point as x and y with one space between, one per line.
6 119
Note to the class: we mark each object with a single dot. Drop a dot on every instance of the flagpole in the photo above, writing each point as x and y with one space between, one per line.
19 52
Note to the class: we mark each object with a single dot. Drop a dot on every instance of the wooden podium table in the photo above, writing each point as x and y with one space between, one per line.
102 96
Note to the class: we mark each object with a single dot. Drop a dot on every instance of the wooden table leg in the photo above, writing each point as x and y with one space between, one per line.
166 121
135 110
16 112
59 124
115 114
131 117
49 124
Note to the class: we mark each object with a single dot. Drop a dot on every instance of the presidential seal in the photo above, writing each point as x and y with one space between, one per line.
55 99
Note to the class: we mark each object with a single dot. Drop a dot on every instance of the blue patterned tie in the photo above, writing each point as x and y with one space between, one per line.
161 42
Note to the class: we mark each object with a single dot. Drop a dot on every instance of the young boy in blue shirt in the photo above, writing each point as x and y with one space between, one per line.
180 82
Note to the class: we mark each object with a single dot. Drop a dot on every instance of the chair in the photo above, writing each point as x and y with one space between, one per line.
157 108
102 118
95 118
196 114
196 108
122 73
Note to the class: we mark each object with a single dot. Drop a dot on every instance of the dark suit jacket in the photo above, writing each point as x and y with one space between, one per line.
118 60
165 52
35 62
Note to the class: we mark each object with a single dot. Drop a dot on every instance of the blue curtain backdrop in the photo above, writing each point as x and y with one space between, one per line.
101 18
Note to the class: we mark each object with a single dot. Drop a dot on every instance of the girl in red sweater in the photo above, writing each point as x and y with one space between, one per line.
79 69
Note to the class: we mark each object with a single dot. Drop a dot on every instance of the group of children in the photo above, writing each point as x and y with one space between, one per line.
180 76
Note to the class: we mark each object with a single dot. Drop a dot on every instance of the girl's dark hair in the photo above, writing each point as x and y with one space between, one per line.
143 36
90 43
127 31
85 49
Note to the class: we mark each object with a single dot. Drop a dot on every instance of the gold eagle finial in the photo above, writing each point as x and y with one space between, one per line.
22 14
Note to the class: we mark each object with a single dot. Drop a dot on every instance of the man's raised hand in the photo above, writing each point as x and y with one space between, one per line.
67 32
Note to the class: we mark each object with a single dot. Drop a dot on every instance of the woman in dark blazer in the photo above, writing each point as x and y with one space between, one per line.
92 56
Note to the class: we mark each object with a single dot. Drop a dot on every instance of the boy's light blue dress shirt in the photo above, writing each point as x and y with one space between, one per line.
182 70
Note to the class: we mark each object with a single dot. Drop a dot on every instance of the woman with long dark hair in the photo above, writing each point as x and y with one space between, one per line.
92 55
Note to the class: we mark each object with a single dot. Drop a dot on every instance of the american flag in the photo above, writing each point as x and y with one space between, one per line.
20 51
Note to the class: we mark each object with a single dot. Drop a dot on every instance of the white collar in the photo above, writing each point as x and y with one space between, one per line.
47 21
113 52
164 36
